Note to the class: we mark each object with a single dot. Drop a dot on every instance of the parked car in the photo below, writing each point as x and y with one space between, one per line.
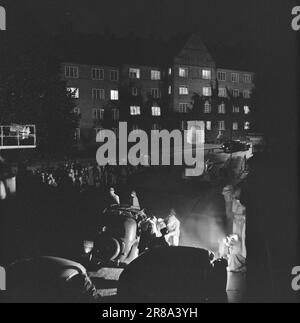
47 280
117 238
233 146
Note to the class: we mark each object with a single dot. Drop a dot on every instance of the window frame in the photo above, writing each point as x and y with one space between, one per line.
114 95
116 73
135 110
134 73
203 76
72 67
97 97
100 70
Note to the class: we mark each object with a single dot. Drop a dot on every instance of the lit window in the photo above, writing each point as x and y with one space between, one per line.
246 109
98 114
156 111
183 72
221 125
206 91
235 93
206 74
247 78
114 95
222 92
98 94
208 125
221 76
234 77
221 108
170 71
135 110
74 91
235 126
114 75
115 114
183 107
236 109
134 73
246 94
207 107
134 91
71 72
183 90
247 125
170 89
97 74
155 93
155 75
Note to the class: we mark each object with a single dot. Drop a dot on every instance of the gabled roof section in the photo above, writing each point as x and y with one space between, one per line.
194 52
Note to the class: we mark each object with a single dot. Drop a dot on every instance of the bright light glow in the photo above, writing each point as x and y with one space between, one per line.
88 246
74 92
134 73
114 95
246 109
183 90
183 71
135 110
156 111
206 74
206 91
155 75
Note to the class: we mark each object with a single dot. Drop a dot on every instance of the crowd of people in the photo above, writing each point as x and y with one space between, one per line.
83 176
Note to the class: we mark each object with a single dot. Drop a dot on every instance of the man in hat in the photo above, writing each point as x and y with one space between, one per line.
173 227
114 198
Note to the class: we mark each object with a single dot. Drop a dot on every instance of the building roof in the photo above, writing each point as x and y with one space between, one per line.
107 49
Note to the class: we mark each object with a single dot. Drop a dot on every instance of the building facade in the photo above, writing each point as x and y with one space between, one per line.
191 85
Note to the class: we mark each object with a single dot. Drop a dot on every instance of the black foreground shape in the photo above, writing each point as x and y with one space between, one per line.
173 275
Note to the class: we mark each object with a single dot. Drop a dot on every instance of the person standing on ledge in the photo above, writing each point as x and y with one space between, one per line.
134 200
173 227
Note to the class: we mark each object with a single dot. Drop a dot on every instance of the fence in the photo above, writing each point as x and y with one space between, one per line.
17 137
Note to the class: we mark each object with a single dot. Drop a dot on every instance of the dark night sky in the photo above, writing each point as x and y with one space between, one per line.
256 22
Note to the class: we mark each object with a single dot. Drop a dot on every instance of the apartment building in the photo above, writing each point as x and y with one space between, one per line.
163 95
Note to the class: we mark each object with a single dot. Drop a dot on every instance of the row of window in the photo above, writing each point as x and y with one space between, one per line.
98 113
222 126
184 108
184 72
99 94
221 75
234 77
135 73
98 74
206 91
